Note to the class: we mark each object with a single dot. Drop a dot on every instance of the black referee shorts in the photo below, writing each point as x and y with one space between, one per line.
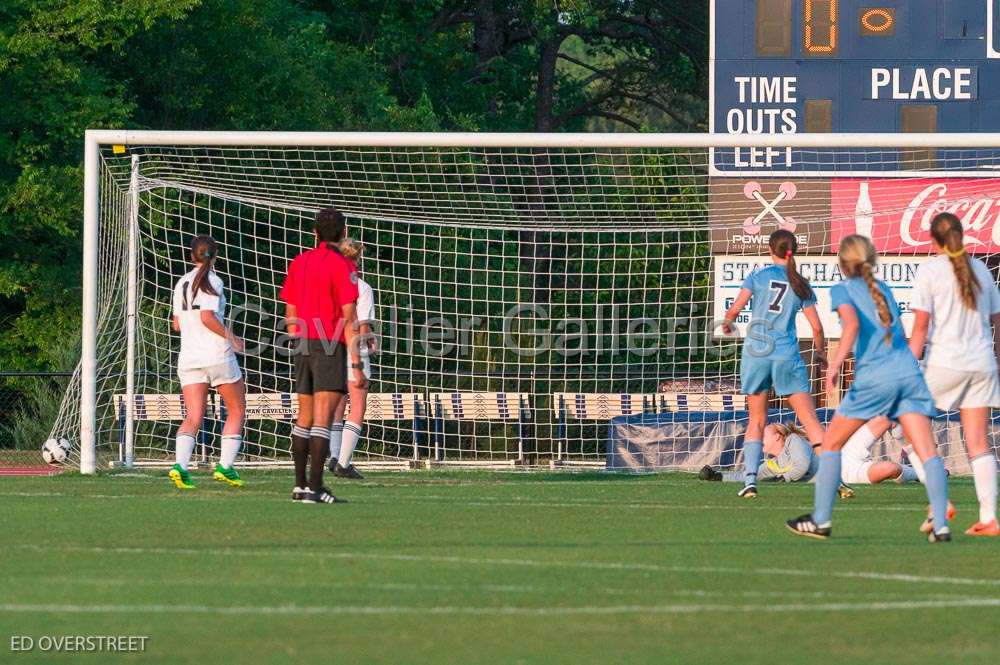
321 367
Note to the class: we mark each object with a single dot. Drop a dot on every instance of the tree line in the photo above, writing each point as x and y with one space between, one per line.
333 65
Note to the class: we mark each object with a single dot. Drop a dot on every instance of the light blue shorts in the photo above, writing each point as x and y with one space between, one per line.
888 398
786 375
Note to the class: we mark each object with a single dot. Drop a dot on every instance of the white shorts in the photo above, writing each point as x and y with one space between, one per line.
366 363
955 389
856 457
854 470
216 375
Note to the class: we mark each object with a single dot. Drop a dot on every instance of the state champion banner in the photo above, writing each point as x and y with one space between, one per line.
823 272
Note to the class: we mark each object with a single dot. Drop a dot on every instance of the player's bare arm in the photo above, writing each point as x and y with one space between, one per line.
353 338
742 298
921 327
849 325
818 338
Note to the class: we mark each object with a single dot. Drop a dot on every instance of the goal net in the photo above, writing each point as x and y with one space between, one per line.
549 301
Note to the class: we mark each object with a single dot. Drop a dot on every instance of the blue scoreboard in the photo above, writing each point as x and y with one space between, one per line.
889 66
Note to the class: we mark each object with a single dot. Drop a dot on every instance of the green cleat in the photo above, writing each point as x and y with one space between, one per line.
181 478
229 476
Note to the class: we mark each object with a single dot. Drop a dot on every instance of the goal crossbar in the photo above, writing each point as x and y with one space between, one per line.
128 137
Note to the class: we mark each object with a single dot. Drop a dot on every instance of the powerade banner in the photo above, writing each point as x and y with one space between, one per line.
743 212
822 272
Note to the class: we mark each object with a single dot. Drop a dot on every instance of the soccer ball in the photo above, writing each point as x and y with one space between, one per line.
55 451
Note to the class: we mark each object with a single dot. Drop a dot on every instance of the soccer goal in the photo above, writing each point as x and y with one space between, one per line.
542 299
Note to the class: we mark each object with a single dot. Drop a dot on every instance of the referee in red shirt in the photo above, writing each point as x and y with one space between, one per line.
320 294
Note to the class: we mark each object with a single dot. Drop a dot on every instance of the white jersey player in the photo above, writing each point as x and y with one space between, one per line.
859 467
957 310
207 359
345 434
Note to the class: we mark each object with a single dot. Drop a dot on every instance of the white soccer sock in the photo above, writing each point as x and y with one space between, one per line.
336 436
908 475
184 448
231 444
352 433
984 470
918 466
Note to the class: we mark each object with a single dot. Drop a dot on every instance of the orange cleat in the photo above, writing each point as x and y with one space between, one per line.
980 529
928 524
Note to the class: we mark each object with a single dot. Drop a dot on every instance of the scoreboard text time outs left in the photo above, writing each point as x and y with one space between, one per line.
889 66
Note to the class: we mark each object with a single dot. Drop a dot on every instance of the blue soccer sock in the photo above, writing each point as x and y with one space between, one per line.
827 482
753 451
937 491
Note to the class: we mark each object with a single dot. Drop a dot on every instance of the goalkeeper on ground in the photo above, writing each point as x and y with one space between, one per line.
789 458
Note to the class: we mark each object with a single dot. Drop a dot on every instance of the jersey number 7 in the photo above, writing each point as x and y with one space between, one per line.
778 291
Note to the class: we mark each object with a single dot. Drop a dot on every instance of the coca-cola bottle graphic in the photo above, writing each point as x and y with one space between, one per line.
864 216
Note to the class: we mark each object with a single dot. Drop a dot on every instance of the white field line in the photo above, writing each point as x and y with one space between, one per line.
397 482
586 610
528 563
514 589
479 502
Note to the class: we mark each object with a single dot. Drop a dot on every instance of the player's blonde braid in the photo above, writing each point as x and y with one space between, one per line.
857 259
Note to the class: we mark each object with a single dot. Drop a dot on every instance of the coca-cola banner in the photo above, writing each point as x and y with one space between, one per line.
743 212
897 212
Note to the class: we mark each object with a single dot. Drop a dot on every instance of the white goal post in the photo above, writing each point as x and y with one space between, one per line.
634 192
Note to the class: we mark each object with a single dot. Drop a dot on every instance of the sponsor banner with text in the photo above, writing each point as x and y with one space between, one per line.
822 272
743 212
897 213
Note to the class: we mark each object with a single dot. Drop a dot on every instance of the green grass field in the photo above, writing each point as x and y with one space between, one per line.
489 568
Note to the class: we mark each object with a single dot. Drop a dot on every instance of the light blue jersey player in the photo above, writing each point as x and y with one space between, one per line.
771 358
887 382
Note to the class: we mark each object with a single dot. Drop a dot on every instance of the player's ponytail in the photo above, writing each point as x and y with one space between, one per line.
857 259
947 231
783 245
203 251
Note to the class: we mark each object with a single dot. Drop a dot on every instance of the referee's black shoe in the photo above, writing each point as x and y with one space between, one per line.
708 473
332 466
322 496
350 472
805 526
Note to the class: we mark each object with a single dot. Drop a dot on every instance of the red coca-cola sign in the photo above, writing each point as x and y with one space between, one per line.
897 212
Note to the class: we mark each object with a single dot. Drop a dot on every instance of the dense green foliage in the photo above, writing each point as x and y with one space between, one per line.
500 65
490 568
